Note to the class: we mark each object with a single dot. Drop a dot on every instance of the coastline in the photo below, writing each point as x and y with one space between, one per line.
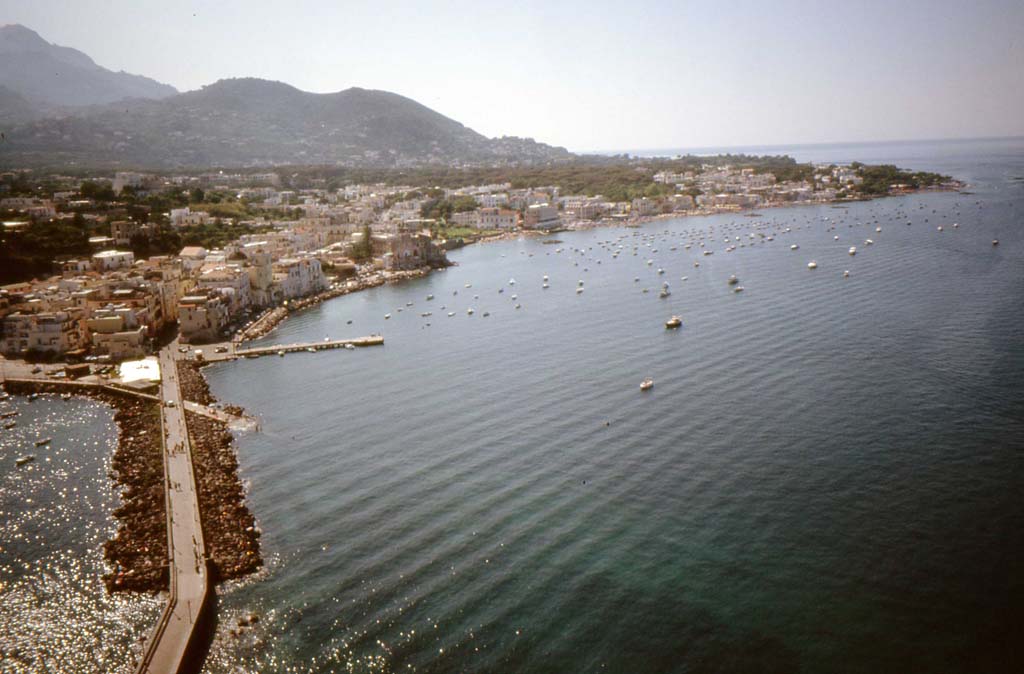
271 318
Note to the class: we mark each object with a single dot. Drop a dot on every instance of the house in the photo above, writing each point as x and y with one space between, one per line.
202 317
541 216
498 218
46 332
109 260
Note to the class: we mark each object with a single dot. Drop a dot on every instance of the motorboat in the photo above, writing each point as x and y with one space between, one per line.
733 280
647 384
22 460
812 265
673 322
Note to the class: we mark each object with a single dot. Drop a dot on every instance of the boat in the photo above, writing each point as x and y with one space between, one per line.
387 316
738 289
469 311
450 314
430 297
42 442
673 322
22 460
733 280
8 415
350 347
10 424
33 396
812 265
545 286
665 292
281 353
647 384
511 281
426 313
310 349
853 250
579 290
486 314
846 274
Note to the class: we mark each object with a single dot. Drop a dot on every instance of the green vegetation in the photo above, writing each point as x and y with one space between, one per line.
879 179
362 251
30 253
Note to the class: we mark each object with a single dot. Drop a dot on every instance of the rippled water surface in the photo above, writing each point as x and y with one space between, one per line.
825 477
55 514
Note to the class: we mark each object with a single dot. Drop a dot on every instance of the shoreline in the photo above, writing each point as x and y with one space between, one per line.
271 318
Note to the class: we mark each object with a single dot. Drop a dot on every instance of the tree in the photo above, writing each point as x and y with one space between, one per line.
363 250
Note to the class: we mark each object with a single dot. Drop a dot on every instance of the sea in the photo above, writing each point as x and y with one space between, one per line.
825 477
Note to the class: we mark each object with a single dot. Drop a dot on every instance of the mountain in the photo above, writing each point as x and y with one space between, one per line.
253 122
15 108
49 75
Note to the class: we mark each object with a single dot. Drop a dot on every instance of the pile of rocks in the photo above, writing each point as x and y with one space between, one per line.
137 554
192 383
229 529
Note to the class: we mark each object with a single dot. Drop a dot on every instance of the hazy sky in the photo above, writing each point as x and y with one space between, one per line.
595 75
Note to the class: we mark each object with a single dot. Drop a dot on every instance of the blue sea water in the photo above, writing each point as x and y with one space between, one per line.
826 476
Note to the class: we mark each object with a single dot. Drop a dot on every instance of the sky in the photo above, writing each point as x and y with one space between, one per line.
593 75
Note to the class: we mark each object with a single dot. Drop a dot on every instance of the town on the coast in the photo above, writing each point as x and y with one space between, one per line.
105 268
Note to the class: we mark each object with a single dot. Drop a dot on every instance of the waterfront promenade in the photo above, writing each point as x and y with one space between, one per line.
168 645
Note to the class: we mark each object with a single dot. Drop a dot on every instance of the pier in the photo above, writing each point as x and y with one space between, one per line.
168 648
212 353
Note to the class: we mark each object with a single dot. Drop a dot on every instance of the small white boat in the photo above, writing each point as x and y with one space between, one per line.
469 311
647 384
426 313
995 242
846 274
511 281
733 280
545 286
350 347
579 290
673 322
738 289
812 265
387 316
868 242
450 314
853 250
430 297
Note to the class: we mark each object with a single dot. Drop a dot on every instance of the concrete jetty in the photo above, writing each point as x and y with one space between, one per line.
229 351
168 648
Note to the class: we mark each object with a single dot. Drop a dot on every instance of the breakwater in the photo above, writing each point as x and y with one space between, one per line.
137 553
229 528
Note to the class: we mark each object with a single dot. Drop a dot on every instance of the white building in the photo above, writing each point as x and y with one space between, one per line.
109 260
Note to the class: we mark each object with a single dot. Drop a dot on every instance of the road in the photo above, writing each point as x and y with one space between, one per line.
169 642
